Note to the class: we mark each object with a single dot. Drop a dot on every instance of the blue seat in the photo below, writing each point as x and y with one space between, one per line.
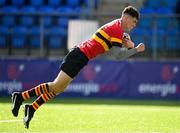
54 3
89 4
153 3
2 41
146 20
149 34
174 23
78 11
9 20
173 39
27 20
55 42
73 3
47 19
18 2
3 36
65 9
164 10
63 21
37 3
2 2
137 35
46 9
19 35
57 37
170 3
161 39
71 12
163 22
146 10
35 37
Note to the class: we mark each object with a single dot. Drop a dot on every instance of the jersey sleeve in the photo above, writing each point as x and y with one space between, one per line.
115 33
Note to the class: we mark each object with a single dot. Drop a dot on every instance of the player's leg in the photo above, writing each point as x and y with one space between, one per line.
72 64
19 97
55 87
29 110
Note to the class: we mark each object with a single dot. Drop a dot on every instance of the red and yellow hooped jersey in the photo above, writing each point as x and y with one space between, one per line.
103 39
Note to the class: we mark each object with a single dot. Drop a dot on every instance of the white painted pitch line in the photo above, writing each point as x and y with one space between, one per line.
88 132
8 121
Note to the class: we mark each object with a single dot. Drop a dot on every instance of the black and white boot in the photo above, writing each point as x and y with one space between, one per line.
28 115
16 103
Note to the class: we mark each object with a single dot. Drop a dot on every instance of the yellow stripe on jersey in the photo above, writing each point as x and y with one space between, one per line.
102 42
104 34
113 39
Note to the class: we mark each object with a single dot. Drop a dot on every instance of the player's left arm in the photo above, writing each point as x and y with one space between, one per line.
132 51
140 47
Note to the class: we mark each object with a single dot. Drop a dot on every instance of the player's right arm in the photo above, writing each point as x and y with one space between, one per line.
127 42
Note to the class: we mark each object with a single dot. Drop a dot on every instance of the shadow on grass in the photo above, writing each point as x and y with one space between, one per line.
102 101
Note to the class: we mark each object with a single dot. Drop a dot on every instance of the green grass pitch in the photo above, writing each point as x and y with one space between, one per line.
95 116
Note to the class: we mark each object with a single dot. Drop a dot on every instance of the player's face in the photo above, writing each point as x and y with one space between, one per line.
131 23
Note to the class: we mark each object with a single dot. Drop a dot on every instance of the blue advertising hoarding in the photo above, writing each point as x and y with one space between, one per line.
100 78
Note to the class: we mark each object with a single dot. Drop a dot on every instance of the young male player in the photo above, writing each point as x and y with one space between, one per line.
109 35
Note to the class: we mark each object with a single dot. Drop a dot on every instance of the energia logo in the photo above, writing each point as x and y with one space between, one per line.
162 89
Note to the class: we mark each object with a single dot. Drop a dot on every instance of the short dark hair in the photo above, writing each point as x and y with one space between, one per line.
132 11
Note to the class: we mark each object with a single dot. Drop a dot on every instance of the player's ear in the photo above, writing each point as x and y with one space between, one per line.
129 18
125 17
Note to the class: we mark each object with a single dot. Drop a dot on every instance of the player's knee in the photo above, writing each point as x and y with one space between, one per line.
56 87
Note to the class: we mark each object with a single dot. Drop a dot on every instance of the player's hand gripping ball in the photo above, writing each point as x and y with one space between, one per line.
127 41
126 36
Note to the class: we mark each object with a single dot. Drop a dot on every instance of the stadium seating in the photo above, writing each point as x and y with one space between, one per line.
163 21
3 36
57 37
34 36
63 20
18 2
54 3
146 21
147 36
170 3
160 39
19 37
2 2
47 19
153 3
138 35
173 39
22 31
154 39
144 35
73 3
27 20
167 27
37 3
65 9
9 20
